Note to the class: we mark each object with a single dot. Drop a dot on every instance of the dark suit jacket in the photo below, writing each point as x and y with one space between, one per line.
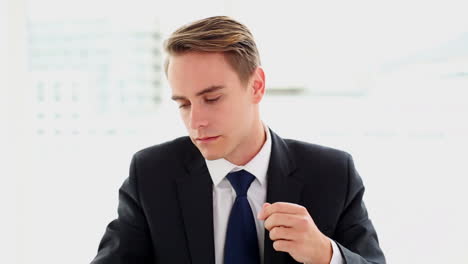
165 212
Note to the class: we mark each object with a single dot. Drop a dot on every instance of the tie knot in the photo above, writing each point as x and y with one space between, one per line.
241 181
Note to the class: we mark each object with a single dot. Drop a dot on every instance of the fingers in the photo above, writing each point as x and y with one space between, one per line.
280 207
285 220
283 245
284 233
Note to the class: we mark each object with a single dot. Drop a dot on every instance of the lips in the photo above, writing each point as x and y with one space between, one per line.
206 139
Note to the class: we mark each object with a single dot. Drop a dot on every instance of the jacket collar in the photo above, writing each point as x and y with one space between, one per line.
283 186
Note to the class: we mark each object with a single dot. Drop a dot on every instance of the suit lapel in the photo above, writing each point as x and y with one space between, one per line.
195 191
283 186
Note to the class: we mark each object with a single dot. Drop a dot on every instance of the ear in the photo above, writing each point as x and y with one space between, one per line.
258 85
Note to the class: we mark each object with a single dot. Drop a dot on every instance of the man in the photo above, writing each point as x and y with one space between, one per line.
234 191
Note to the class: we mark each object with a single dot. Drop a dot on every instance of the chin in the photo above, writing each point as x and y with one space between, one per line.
211 156
211 153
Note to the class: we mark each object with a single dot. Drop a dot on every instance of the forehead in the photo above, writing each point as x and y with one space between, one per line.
194 71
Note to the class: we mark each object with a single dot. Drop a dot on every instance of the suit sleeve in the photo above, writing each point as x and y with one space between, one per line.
355 235
126 239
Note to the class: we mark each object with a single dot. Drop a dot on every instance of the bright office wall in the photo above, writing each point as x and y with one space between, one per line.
384 81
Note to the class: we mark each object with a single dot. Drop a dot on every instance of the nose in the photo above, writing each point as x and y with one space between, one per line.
198 117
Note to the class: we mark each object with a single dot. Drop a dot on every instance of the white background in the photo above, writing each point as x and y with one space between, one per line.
406 128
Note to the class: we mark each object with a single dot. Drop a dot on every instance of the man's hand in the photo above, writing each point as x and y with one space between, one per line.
293 231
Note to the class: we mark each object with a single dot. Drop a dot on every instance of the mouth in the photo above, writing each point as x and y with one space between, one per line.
206 139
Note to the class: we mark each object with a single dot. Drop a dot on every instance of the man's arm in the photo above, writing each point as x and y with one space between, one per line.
127 239
355 235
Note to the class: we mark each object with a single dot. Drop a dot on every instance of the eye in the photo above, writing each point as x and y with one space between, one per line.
184 104
212 100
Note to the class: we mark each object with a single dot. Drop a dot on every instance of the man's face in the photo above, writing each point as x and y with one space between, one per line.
218 111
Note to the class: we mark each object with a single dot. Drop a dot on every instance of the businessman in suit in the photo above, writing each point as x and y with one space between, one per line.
233 191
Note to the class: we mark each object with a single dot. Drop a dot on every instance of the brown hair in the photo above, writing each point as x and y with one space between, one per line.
217 34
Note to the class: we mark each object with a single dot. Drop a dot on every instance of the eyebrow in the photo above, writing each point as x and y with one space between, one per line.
210 89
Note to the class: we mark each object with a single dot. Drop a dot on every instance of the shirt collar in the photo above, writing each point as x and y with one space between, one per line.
257 166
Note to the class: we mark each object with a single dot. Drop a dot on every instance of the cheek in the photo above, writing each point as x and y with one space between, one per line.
185 119
234 121
239 111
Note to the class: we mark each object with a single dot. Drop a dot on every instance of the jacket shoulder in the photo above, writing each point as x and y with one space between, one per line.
307 153
302 147
166 151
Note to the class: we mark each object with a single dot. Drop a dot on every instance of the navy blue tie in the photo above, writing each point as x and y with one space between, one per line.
241 246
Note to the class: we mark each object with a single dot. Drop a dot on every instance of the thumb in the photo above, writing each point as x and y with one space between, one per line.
260 214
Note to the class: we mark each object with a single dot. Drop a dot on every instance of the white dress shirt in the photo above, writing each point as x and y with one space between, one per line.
224 196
